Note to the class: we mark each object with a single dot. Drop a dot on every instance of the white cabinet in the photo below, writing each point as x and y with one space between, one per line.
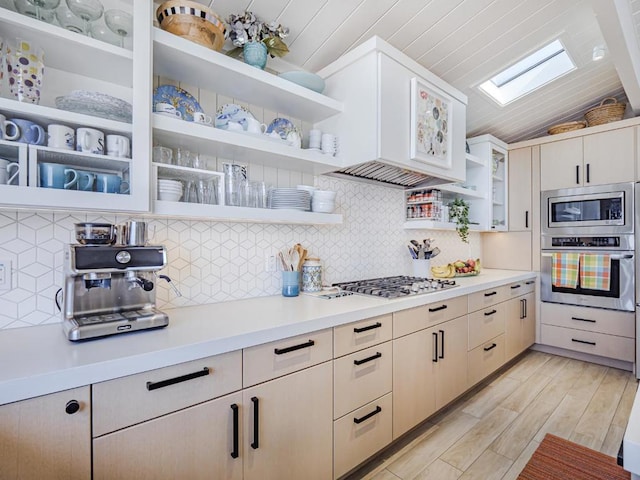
47 437
374 83
595 159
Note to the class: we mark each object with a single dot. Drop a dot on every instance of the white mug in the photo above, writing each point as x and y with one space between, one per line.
254 126
61 136
328 143
90 140
118 146
167 109
201 117
234 126
4 123
6 176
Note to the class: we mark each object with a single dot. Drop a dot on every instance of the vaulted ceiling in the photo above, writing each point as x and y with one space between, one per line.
465 42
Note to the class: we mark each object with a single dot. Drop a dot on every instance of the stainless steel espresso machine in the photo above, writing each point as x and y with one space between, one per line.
110 288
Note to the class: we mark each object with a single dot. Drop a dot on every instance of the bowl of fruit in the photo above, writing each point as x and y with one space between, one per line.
459 268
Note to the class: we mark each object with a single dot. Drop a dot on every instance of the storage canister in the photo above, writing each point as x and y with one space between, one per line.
311 275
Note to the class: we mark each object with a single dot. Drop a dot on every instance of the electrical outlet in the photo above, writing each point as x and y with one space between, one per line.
270 263
5 274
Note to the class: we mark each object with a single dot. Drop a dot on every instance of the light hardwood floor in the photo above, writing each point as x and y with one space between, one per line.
491 432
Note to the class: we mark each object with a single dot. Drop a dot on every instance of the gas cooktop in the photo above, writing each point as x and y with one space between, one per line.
395 287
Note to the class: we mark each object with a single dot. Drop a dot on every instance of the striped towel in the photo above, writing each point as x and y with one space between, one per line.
564 270
595 271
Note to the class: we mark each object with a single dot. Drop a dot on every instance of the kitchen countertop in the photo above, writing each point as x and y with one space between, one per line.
40 360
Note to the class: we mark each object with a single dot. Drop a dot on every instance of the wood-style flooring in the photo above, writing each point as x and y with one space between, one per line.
491 432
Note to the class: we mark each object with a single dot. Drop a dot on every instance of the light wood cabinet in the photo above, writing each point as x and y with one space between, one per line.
201 442
429 370
288 426
520 191
520 327
47 437
596 159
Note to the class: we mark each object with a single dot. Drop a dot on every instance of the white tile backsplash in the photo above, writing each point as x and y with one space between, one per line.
213 261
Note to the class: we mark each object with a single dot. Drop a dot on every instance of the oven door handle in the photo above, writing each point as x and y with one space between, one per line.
627 256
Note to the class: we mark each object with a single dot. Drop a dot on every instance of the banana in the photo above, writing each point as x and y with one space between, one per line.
440 271
452 271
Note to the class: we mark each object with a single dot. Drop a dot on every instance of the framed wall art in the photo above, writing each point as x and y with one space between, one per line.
430 124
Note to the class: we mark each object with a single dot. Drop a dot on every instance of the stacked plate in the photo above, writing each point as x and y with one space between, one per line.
291 198
170 190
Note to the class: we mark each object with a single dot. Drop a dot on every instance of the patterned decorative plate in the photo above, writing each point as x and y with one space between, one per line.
96 104
182 100
230 112
283 127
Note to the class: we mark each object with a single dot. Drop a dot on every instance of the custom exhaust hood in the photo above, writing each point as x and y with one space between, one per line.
379 172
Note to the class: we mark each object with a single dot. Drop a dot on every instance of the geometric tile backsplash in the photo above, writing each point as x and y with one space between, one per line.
213 261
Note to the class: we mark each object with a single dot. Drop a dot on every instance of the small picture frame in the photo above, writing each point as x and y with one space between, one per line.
430 125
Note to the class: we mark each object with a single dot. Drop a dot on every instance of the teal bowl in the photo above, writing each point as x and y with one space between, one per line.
305 79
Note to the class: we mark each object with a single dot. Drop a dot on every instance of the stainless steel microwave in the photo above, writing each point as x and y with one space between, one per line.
588 210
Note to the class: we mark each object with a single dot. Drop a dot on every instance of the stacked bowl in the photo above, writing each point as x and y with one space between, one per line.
170 190
324 201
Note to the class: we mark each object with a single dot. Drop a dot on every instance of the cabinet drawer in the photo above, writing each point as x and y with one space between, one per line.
523 287
358 335
622 324
414 319
487 297
129 400
610 346
485 359
271 360
354 442
486 324
360 377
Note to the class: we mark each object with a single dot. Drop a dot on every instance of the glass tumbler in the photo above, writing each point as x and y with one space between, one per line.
290 283
25 66
235 177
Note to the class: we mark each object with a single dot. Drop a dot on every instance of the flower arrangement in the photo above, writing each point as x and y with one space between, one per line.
248 28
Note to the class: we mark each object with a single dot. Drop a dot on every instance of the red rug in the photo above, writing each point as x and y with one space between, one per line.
559 459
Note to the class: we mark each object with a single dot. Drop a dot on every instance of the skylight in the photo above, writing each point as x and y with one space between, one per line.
530 73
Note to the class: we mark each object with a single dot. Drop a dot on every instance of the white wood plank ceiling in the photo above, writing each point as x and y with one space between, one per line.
465 42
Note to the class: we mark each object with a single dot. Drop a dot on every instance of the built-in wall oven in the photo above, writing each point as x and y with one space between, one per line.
594 221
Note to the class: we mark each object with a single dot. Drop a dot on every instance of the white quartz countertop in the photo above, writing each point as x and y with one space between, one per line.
40 360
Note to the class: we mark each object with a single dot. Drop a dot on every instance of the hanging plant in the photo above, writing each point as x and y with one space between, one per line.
459 213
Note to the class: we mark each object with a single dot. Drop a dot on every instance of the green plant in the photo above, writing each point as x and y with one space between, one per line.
459 212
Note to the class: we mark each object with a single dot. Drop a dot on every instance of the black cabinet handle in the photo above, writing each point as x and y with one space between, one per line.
435 347
437 309
72 407
368 359
280 351
368 415
256 407
172 381
493 345
588 171
486 314
369 327
522 309
513 287
529 282
583 341
236 424
525 308
490 294
526 219
578 174
441 344
583 319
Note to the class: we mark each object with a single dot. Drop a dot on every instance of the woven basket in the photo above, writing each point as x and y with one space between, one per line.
611 112
193 21
566 127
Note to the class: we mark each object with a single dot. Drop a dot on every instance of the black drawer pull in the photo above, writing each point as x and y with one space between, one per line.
583 319
280 351
530 282
490 294
369 327
493 345
437 309
236 424
486 314
515 286
256 404
172 381
368 415
368 359
583 341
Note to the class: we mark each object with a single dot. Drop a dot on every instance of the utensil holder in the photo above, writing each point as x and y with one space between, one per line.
290 283
421 268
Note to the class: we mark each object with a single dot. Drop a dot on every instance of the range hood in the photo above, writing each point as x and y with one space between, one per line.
378 172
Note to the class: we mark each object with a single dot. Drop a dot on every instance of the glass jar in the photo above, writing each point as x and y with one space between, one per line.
312 275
